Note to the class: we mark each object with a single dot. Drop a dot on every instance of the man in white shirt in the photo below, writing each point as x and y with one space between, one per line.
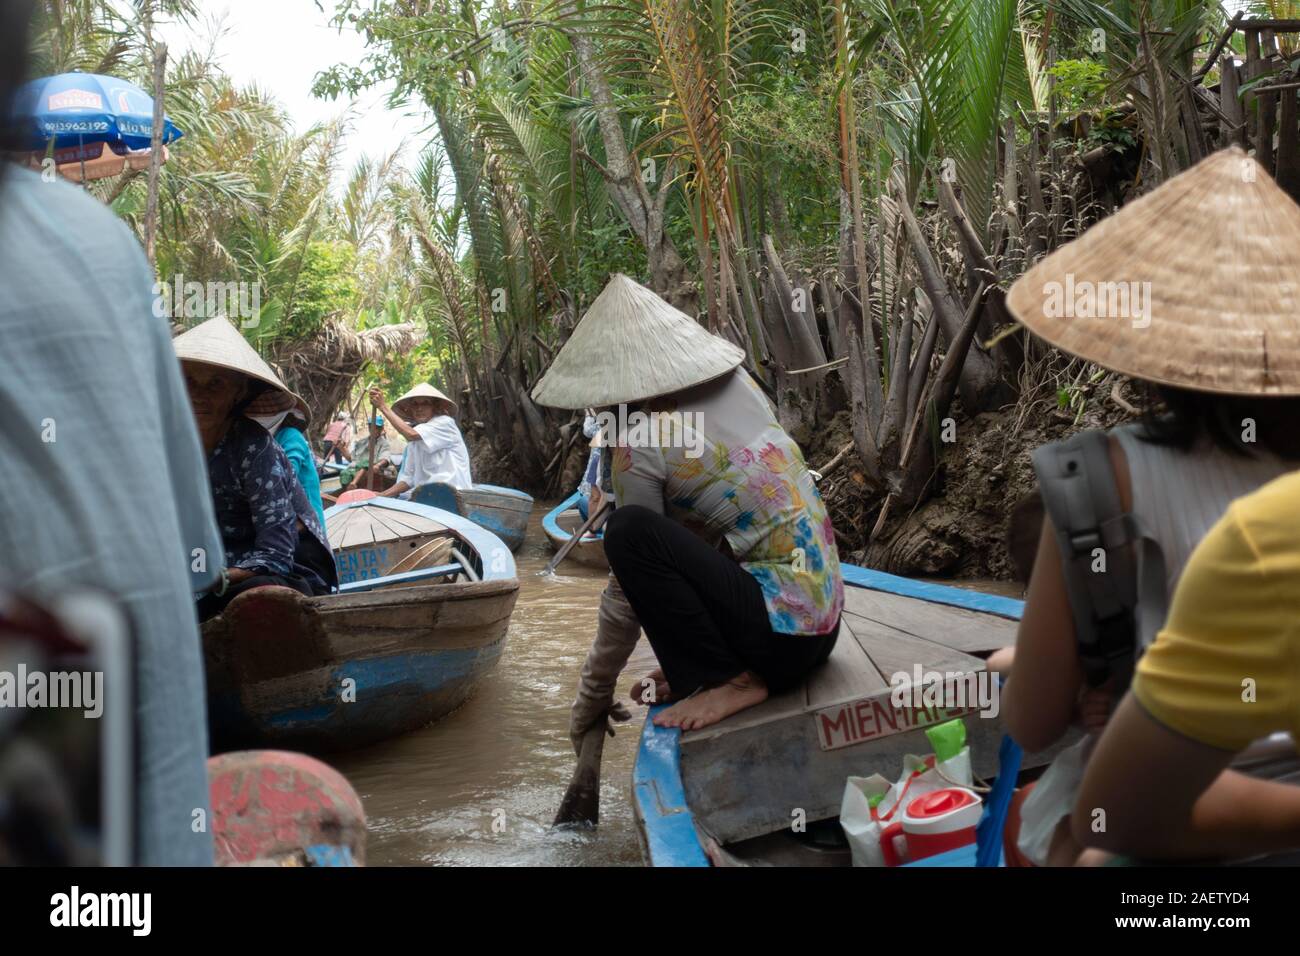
435 449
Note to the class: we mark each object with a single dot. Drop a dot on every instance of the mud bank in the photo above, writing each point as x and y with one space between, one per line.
959 530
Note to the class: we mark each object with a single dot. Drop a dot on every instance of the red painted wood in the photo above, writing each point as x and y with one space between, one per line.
268 806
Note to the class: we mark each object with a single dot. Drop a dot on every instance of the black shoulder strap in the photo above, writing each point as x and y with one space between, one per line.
1097 539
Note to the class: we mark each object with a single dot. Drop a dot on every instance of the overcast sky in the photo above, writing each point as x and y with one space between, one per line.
281 45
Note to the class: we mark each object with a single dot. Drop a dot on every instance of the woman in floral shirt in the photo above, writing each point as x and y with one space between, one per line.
271 532
720 544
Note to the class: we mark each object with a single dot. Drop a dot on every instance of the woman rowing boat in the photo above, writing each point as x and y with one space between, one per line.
720 545
435 450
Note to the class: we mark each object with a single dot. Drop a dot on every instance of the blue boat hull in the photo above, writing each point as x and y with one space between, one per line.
502 511
382 657
589 552
394 695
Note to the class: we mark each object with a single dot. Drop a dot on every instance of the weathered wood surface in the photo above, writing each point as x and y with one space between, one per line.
754 773
273 808
954 627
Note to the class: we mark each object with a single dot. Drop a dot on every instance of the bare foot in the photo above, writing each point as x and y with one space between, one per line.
712 705
654 681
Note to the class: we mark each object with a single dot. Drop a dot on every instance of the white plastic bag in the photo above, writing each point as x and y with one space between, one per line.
863 824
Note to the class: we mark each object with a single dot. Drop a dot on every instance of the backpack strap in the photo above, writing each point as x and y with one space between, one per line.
1097 539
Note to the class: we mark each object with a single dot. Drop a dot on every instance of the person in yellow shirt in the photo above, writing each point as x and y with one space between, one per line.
1224 672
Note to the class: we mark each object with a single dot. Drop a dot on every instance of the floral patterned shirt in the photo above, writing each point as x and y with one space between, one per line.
719 463
259 503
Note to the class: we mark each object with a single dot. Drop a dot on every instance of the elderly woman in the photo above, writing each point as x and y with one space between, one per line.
271 533
720 546
436 450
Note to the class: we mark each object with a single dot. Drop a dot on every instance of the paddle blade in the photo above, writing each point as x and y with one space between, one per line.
581 803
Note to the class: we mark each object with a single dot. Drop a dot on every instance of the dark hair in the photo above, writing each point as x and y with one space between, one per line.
253 390
1179 418
15 19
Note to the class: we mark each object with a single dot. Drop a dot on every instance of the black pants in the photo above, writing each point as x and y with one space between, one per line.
334 450
703 613
210 605
309 554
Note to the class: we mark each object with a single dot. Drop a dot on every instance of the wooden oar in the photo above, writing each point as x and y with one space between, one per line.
593 523
370 466
581 803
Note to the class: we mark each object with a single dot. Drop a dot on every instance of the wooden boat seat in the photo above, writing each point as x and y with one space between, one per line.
434 552
754 770
406 579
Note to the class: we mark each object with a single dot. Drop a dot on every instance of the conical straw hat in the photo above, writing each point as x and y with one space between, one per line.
424 390
217 342
632 345
1196 284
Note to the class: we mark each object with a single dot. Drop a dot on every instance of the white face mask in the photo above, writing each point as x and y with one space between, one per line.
271 422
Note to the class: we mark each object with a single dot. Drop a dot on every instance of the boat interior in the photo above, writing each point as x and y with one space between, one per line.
398 548
571 520
747 779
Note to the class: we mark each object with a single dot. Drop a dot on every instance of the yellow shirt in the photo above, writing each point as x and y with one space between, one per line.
1226 669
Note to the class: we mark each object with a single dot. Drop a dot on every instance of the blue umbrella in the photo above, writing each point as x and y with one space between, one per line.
77 108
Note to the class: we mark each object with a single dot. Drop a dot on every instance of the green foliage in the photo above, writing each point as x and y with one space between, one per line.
325 287
1080 84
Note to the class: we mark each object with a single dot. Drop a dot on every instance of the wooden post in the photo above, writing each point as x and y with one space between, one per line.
155 151
1253 68
1288 148
1192 130
1267 103
1230 103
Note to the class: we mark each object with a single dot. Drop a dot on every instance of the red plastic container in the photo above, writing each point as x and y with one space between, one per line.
933 823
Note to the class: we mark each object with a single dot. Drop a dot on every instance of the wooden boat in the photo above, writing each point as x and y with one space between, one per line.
724 795
503 511
562 522
421 615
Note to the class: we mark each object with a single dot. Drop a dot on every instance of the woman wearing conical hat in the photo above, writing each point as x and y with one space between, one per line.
720 546
435 448
271 533
1194 290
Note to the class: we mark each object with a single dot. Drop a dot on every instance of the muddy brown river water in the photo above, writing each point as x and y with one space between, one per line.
481 786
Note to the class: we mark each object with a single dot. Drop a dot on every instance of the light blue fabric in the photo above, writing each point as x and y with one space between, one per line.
299 454
104 480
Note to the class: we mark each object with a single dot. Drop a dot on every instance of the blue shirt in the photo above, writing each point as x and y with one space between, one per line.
299 454
259 504
88 373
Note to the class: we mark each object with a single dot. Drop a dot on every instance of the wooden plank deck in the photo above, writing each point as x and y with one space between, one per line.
753 773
